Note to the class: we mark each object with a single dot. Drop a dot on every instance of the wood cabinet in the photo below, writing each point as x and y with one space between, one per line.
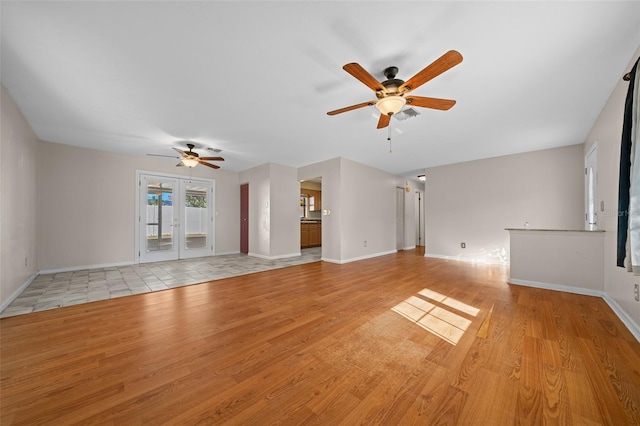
310 235
317 205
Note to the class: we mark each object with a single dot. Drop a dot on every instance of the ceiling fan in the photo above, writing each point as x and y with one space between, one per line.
393 93
192 159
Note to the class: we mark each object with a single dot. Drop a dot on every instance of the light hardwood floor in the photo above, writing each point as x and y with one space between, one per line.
399 339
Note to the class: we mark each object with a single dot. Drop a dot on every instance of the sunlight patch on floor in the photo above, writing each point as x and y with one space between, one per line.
437 320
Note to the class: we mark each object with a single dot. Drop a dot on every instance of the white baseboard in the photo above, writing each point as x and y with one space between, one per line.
280 256
355 259
467 259
558 287
85 267
113 265
631 325
620 313
18 291
409 248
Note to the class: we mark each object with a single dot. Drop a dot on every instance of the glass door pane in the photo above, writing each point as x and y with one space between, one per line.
159 214
196 225
196 218
158 219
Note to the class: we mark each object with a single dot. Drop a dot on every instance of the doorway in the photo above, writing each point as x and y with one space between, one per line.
310 213
399 218
419 214
244 218
591 188
175 218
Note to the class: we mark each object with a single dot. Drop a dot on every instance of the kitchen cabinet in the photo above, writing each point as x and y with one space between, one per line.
318 201
310 234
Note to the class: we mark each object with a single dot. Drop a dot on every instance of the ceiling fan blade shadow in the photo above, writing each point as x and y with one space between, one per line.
437 67
363 75
383 121
433 103
351 108
160 155
181 152
180 164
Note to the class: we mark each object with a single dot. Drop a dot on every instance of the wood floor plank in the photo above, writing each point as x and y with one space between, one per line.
323 344
490 396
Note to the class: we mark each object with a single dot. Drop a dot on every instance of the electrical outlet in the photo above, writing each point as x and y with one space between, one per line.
636 292
26 261
463 245
365 243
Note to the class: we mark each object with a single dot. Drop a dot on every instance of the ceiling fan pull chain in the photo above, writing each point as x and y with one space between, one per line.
389 136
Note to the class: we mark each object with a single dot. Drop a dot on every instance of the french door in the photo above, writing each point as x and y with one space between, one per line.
175 219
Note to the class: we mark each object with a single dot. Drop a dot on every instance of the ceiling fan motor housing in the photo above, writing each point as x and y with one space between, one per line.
191 153
391 88
391 84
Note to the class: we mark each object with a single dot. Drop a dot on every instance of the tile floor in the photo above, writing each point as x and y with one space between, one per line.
50 291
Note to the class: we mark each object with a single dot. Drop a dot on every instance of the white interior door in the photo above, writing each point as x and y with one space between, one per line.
175 219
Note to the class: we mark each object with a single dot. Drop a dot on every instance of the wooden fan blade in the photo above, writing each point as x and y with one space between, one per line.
212 158
437 67
213 166
363 75
352 107
383 121
184 154
434 103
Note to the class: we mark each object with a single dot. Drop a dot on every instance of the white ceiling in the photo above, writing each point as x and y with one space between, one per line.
256 79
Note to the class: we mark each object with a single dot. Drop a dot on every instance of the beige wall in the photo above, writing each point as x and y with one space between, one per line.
274 224
559 260
473 202
329 171
259 217
86 201
18 200
285 207
607 131
368 211
362 204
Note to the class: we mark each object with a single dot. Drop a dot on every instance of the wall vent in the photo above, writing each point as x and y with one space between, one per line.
406 114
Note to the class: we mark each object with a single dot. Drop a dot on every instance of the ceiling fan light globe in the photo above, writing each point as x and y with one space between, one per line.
391 104
190 162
